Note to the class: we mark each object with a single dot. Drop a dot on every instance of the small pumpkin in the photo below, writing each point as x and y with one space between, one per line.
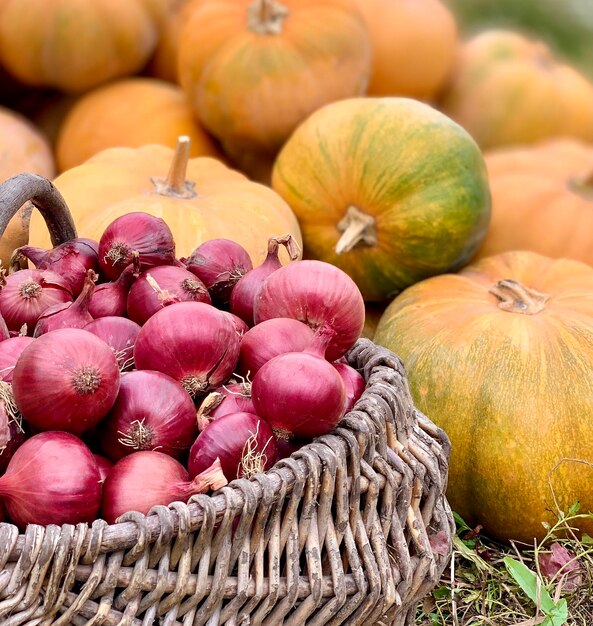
388 189
508 89
254 69
198 198
542 200
71 45
500 356
414 44
23 148
129 112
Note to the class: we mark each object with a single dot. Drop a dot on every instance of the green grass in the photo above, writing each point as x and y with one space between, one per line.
490 584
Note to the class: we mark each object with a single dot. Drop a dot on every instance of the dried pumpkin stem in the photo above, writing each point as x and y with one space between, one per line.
516 298
266 17
357 228
175 184
16 191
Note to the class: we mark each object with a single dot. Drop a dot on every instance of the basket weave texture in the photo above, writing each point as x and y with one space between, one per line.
353 529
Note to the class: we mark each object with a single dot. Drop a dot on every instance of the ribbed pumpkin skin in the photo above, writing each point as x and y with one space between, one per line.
512 390
507 89
22 149
419 175
130 112
227 204
541 200
72 45
251 89
414 44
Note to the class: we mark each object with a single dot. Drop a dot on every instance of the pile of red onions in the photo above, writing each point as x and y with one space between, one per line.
130 378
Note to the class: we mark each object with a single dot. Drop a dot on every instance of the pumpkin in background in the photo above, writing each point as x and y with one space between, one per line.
22 149
388 189
542 200
508 89
130 112
198 198
254 69
414 44
501 357
72 45
163 63
373 314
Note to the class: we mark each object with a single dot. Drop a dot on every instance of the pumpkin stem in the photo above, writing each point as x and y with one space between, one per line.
356 228
516 298
175 184
40 191
583 186
266 17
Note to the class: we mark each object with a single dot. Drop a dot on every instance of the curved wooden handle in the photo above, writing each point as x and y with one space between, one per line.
15 191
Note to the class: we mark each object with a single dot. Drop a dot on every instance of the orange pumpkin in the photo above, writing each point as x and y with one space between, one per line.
254 69
129 112
414 44
72 45
501 357
22 149
507 89
542 200
198 198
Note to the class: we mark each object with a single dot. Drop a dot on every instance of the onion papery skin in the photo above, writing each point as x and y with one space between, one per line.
144 301
104 465
152 412
71 260
27 294
244 443
52 478
230 398
269 339
111 298
354 384
142 480
4 332
69 314
135 231
67 379
219 264
119 333
299 394
17 436
192 342
10 351
314 292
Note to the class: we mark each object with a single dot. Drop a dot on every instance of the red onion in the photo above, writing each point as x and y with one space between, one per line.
68 314
244 443
10 351
163 285
287 446
219 264
26 294
152 412
354 384
240 326
142 480
315 292
4 332
71 260
272 337
231 398
104 466
148 235
52 478
110 299
300 394
246 290
192 342
119 333
67 379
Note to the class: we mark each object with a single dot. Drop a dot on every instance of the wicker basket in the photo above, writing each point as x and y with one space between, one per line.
353 529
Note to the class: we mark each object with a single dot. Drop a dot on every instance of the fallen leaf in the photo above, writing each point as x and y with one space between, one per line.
561 563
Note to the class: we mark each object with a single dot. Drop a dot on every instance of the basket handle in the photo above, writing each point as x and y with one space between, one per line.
45 197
